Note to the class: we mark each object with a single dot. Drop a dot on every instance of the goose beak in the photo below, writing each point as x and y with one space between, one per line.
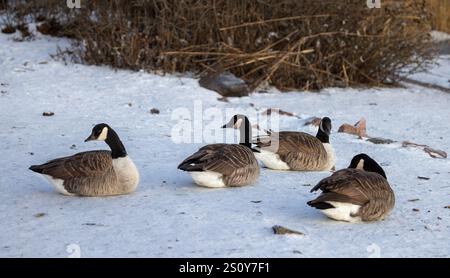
90 138
228 125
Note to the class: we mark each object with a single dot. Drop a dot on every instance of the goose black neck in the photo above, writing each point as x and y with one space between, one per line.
113 141
245 135
374 167
322 136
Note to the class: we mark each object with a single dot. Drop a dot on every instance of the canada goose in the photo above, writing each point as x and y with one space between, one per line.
221 165
360 192
299 151
93 173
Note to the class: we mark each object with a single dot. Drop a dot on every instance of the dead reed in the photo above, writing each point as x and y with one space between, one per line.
290 44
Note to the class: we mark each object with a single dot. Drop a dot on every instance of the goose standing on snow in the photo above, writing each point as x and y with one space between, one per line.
221 165
359 193
299 151
93 173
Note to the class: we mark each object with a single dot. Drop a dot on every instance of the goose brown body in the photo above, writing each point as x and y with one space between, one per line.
90 173
236 163
300 151
368 190
93 173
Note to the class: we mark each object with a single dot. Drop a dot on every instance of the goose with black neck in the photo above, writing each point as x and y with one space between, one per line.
360 192
93 173
225 165
298 151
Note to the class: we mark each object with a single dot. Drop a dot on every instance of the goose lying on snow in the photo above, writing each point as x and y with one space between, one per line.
360 192
93 173
289 150
221 165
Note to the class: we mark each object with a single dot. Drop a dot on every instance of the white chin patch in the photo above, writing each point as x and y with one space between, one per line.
103 135
238 123
360 165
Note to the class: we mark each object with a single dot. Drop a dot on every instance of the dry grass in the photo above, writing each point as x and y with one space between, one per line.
290 44
440 10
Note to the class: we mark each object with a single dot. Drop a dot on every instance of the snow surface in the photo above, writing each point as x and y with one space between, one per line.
168 216
439 74
439 36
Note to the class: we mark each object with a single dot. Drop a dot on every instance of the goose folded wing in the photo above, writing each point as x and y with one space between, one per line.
348 183
228 159
196 161
85 164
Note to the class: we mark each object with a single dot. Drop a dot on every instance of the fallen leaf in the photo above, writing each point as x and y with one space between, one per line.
315 121
423 178
379 140
280 112
411 144
39 215
223 99
280 230
92 224
48 114
256 202
414 209
434 153
154 111
414 200
358 129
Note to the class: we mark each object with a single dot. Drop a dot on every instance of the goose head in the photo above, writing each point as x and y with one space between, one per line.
99 133
323 134
241 123
103 132
364 162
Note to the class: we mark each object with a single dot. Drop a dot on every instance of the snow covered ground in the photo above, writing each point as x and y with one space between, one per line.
168 216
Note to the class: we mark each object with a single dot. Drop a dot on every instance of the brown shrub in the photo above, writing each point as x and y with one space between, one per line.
8 29
287 43
3 5
24 30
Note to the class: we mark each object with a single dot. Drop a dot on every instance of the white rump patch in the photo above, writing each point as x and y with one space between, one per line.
271 160
342 211
208 179
58 184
